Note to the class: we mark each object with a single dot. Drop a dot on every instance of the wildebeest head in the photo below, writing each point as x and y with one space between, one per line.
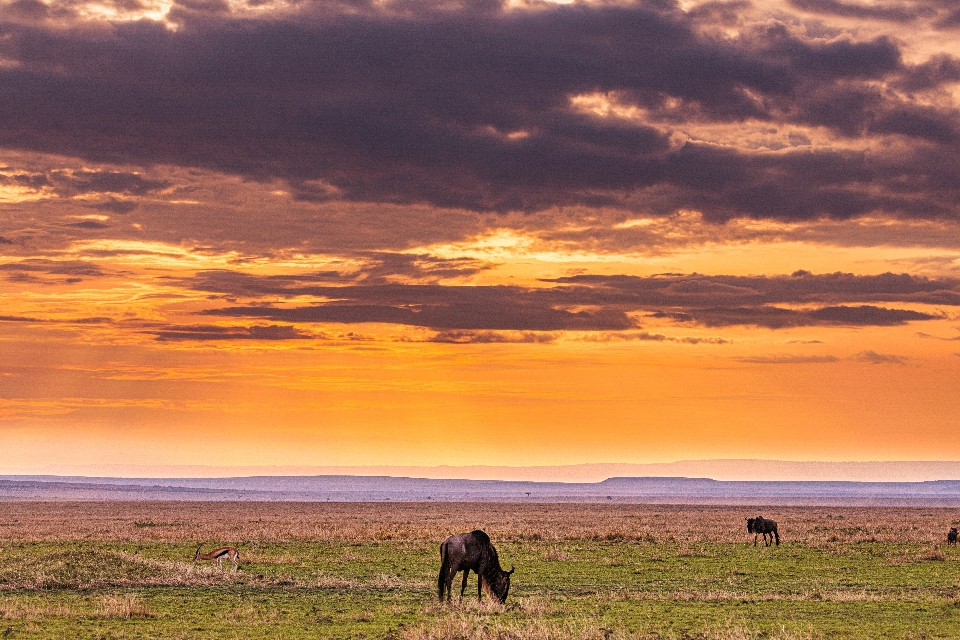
499 586
503 588
750 523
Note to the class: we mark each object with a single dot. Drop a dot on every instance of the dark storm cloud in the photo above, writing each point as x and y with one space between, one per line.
591 303
471 108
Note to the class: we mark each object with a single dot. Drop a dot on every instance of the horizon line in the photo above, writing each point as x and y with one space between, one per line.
712 468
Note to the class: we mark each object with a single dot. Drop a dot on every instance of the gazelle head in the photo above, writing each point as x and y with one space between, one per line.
196 556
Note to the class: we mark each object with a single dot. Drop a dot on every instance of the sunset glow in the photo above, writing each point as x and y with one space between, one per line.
465 234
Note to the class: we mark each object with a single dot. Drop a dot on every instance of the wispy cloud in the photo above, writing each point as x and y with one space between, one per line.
872 357
788 359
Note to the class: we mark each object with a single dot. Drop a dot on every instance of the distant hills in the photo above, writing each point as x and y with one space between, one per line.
735 469
651 489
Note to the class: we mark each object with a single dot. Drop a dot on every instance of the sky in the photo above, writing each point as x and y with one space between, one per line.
417 232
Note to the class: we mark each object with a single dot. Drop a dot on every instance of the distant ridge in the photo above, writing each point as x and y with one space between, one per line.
341 488
885 471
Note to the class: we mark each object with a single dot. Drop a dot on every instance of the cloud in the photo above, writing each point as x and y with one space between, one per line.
780 318
112 182
646 336
492 337
899 12
475 108
215 332
31 320
872 357
89 224
788 359
584 302
490 310
801 287
73 268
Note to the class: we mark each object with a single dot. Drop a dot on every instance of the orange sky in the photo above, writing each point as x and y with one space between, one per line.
618 268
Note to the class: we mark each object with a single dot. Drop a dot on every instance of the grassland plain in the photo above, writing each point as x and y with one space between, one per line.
584 571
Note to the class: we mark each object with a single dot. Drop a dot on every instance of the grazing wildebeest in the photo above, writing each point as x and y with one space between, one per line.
765 527
472 552
952 536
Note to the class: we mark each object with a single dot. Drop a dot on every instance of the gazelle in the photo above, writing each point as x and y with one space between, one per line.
219 554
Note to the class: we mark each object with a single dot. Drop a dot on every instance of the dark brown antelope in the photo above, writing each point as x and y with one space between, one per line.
472 552
219 554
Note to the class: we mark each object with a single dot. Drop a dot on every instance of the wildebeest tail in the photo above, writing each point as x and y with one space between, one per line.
444 568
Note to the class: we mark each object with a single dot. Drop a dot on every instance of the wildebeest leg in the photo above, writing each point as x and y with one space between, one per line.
451 572
755 539
463 587
479 587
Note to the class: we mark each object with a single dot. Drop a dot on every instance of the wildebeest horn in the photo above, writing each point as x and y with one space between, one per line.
512 569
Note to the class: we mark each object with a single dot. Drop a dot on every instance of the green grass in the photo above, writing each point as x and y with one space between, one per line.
566 589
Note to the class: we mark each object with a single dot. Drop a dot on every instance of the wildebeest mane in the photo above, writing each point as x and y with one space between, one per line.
483 539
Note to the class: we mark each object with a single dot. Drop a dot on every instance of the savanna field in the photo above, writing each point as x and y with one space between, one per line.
369 570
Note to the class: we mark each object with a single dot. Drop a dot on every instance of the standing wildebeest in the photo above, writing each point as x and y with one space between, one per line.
952 536
472 552
763 526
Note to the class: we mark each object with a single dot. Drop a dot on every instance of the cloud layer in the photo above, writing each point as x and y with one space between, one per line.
589 303
493 109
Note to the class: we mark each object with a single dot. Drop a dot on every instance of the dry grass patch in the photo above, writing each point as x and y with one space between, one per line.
31 610
286 522
933 554
555 554
263 558
98 569
126 605
479 625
